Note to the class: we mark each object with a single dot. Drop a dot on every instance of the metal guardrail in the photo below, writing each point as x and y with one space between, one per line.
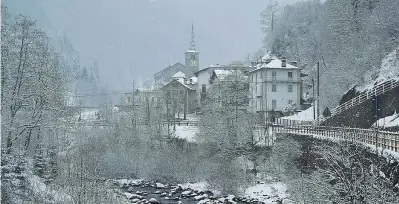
377 90
382 139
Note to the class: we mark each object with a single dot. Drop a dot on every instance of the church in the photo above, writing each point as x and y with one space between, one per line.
189 68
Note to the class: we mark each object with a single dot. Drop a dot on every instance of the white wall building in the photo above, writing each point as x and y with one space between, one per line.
273 85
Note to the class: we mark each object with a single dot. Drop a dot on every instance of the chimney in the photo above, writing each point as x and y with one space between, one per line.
284 62
295 63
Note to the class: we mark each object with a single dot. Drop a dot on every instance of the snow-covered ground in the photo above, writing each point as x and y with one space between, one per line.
389 70
306 115
268 192
389 121
185 132
40 188
88 114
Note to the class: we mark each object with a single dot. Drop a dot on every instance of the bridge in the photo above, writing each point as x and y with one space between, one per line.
379 139
373 137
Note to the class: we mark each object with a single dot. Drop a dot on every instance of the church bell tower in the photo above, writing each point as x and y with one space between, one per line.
192 56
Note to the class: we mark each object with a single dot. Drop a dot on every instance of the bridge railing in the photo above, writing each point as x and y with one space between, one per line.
382 139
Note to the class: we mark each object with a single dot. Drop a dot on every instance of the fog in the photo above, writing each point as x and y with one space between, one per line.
133 39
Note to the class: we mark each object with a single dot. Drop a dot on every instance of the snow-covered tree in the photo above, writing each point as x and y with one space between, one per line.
33 84
290 109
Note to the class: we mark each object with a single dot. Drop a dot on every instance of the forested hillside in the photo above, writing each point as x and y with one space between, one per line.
349 37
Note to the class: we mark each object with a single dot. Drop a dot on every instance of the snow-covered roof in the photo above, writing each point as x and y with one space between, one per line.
171 67
224 67
185 85
274 64
192 51
389 70
277 63
194 80
179 74
153 89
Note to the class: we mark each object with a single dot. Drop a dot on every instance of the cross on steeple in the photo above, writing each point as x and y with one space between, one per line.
192 41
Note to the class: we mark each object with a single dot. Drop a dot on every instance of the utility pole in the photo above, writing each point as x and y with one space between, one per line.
133 99
318 91
377 125
314 101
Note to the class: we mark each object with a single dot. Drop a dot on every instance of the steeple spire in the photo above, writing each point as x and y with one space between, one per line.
192 41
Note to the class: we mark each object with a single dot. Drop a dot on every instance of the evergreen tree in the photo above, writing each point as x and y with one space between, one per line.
52 170
326 112
39 161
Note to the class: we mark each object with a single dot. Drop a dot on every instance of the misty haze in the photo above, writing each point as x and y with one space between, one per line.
200 101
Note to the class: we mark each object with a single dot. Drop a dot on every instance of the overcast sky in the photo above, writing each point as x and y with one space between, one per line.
133 39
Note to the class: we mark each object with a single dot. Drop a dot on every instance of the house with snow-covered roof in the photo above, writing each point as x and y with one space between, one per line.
179 98
204 76
273 85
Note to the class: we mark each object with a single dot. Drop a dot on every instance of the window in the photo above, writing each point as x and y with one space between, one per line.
252 77
256 77
203 88
290 88
289 75
274 74
192 57
289 101
274 104
274 88
256 89
152 99
128 99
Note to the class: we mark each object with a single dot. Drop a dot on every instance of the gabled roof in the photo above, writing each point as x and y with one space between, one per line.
179 74
224 67
277 64
177 64
144 90
178 82
274 64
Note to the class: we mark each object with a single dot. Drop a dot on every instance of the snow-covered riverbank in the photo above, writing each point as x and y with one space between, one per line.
141 191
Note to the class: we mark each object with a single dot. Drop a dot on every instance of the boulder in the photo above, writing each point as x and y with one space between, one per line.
159 185
154 201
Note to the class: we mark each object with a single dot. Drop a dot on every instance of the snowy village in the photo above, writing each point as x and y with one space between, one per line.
155 101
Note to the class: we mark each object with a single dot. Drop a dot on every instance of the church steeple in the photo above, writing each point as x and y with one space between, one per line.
192 41
192 56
